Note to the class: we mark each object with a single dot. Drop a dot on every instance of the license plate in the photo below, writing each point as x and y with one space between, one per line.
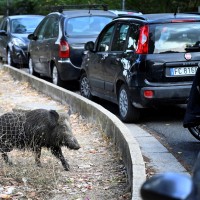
182 71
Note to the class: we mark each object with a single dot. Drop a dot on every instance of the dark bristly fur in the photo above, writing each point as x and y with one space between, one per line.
36 129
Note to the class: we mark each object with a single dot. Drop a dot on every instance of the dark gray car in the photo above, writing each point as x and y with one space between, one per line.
57 45
13 37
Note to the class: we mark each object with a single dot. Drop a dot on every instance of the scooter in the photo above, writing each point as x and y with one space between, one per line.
173 186
192 115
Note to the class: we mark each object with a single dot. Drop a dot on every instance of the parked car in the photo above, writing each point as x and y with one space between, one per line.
13 37
57 45
142 61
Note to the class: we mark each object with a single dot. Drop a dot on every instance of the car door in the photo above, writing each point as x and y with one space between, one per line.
113 63
4 37
95 66
48 44
42 47
35 45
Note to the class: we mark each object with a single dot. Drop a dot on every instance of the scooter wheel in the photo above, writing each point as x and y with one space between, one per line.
195 131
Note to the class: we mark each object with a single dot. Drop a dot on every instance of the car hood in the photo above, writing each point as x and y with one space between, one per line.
22 36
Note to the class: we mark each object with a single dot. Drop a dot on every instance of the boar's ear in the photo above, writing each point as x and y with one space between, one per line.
54 116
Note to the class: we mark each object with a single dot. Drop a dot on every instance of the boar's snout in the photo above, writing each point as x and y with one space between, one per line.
72 143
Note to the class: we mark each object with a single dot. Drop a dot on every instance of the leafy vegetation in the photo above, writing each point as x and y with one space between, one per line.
146 6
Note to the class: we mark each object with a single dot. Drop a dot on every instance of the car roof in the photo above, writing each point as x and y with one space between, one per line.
125 12
87 12
162 17
23 16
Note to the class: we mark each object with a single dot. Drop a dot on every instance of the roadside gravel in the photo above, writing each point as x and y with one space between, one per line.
97 172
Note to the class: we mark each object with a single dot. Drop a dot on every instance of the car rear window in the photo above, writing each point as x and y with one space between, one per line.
175 37
86 26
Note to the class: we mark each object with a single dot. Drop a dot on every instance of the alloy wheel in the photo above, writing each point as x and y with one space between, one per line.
9 60
30 66
123 103
55 75
85 87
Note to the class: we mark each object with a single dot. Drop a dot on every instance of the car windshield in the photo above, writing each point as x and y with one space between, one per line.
86 26
175 37
25 25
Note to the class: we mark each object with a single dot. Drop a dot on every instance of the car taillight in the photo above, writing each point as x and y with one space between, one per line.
64 49
149 94
142 47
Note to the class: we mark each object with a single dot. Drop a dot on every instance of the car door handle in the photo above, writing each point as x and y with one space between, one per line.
103 57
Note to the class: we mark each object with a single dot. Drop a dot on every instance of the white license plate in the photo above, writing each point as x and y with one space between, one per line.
181 71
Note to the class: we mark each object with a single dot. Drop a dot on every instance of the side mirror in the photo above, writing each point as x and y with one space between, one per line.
89 46
168 186
32 37
3 33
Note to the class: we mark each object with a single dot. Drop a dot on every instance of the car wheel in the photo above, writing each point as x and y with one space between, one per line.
195 131
85 89
56 77
128 113
9 59
30 66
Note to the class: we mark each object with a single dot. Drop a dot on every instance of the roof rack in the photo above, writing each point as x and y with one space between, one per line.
60 8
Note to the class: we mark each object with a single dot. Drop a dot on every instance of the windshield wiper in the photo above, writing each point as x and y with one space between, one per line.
192 49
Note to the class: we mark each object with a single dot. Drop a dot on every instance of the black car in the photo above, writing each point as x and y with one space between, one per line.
57 45
142 61
13 37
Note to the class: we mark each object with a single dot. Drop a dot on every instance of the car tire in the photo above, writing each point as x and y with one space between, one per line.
195 131
31 68
56 77
127 112
9 59
85 89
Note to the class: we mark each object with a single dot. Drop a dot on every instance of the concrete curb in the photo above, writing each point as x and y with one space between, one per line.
120 135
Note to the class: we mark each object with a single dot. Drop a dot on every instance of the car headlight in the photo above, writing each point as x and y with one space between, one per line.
18 42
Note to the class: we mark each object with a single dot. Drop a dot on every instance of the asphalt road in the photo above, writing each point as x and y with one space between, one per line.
165 123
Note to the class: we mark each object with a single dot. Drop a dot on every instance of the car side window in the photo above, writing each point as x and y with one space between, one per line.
40 30
4 25
105 39
51 28
48 28
119 39
133 37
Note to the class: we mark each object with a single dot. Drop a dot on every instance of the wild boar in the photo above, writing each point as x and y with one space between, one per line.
34 130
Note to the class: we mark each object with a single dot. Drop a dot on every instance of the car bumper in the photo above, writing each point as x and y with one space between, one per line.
67 70
161 95
19 55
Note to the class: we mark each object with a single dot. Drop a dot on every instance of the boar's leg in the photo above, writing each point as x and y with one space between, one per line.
57 152
5 157
37 156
